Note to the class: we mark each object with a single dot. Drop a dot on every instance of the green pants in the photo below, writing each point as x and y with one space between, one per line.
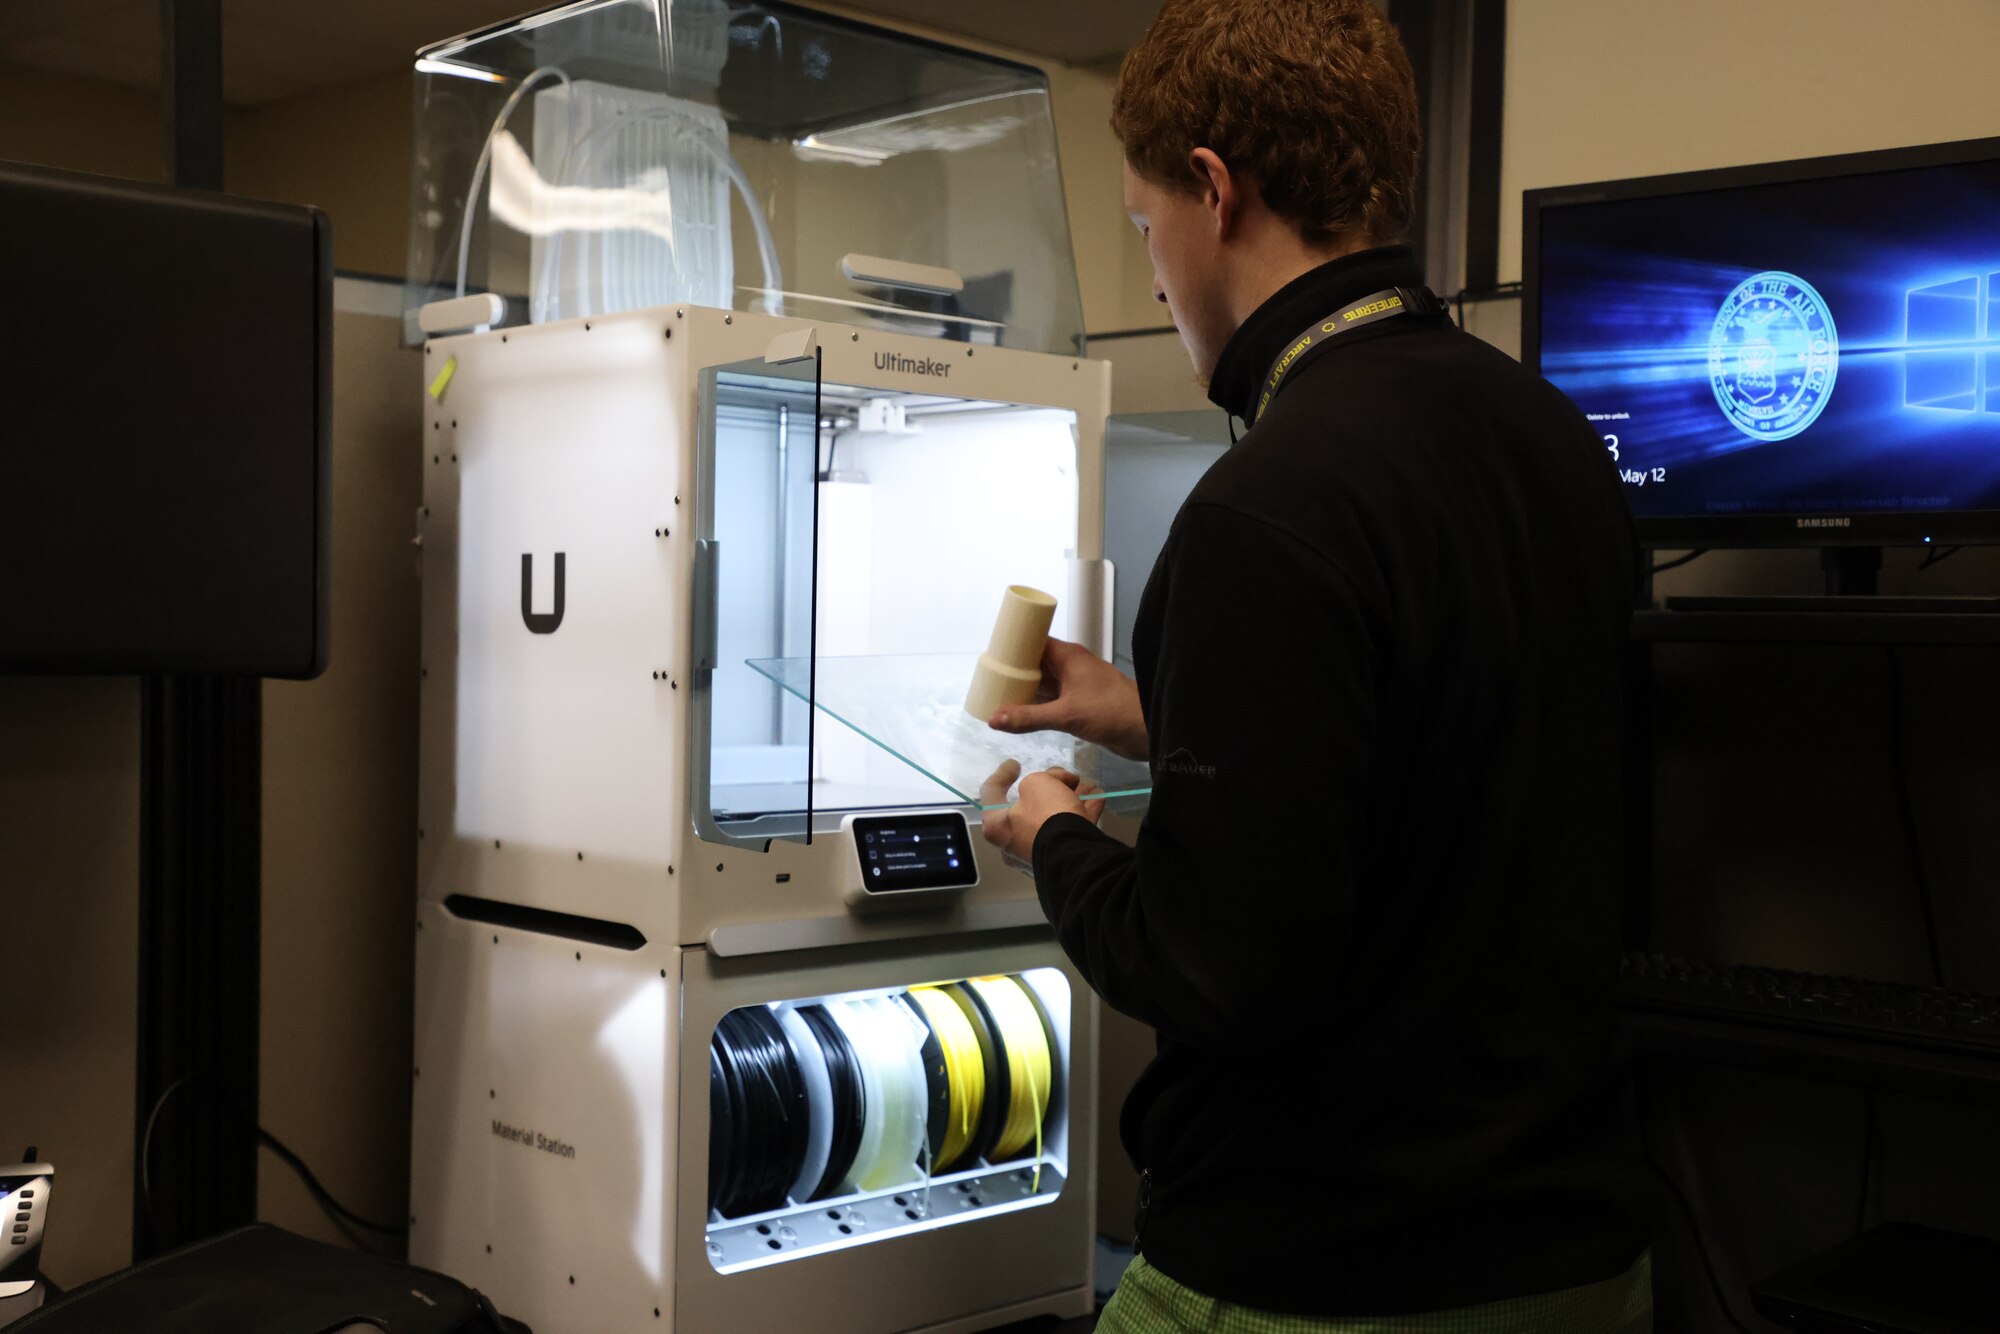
1148 1302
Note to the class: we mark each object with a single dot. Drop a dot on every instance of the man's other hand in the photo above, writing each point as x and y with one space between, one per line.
1084 696
1052 792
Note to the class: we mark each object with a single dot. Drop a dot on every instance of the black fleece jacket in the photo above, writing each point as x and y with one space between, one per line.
1372 909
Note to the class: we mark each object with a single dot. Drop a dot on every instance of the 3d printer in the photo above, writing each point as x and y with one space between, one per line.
752 349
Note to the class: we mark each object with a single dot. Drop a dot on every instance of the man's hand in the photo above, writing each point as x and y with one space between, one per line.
1042 795
1084 696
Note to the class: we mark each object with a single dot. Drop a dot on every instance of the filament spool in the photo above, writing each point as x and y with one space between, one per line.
721 1136
819 1103
895 1133
871 1095
993 1059
1028 1063
850 1102
1058 1074
858 1025
936 1080
962 1064
766 1105
906 1128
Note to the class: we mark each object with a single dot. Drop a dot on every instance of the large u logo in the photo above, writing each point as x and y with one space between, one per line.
542 623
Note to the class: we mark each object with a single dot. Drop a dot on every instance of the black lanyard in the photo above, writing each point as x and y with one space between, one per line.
1386 304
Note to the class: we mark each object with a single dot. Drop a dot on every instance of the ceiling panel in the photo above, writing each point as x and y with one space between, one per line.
21 19
1078 32
275 49
271 49
117 41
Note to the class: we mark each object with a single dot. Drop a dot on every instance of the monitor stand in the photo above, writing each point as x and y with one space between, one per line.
1851 574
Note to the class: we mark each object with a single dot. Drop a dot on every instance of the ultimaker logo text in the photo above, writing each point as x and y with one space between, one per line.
889 361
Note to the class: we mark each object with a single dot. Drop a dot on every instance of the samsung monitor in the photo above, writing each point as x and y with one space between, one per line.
1798 354
164 430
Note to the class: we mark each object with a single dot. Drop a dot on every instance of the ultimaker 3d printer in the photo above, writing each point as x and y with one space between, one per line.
753 380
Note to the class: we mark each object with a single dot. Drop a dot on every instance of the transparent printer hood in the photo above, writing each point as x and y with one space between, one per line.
619 154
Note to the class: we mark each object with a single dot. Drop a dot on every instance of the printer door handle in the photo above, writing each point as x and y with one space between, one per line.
707 607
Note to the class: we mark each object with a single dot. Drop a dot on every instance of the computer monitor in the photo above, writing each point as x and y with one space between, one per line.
164 430
1797 354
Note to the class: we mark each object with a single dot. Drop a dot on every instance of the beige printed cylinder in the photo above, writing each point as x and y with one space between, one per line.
1011 667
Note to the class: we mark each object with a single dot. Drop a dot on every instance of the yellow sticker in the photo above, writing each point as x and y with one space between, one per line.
443 380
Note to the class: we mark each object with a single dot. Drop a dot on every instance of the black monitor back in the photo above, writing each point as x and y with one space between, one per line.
165 430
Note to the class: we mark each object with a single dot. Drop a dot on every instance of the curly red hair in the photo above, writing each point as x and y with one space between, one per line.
1313 100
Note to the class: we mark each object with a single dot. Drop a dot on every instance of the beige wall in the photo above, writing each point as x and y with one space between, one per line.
1112 268
69 876
55 121
346 150
1601 89
340 801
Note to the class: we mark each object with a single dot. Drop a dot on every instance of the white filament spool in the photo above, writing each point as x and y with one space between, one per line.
819 1101
898 1097
864 1034
914 1140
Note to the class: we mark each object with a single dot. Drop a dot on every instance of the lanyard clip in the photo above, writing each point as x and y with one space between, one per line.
1421 300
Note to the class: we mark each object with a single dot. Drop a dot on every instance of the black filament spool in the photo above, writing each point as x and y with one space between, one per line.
850 1097
767 1096
721 1139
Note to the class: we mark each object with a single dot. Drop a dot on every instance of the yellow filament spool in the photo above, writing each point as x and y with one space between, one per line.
1028 1062
965 1071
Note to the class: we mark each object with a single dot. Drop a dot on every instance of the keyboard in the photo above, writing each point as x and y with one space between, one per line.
1908 606
1807 1002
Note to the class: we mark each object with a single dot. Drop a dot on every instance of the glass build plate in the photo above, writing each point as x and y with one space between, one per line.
913 706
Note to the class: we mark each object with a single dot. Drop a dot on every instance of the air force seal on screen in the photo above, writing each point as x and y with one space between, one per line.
1772 356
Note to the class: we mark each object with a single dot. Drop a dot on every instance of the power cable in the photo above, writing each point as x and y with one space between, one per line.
1700 1244
1687 1212
1867 1159
1661 567
1907 808
318 1191
321 1195
1936 554
146 1147
1497 292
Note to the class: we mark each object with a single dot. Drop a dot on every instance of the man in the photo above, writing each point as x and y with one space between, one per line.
1371 910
